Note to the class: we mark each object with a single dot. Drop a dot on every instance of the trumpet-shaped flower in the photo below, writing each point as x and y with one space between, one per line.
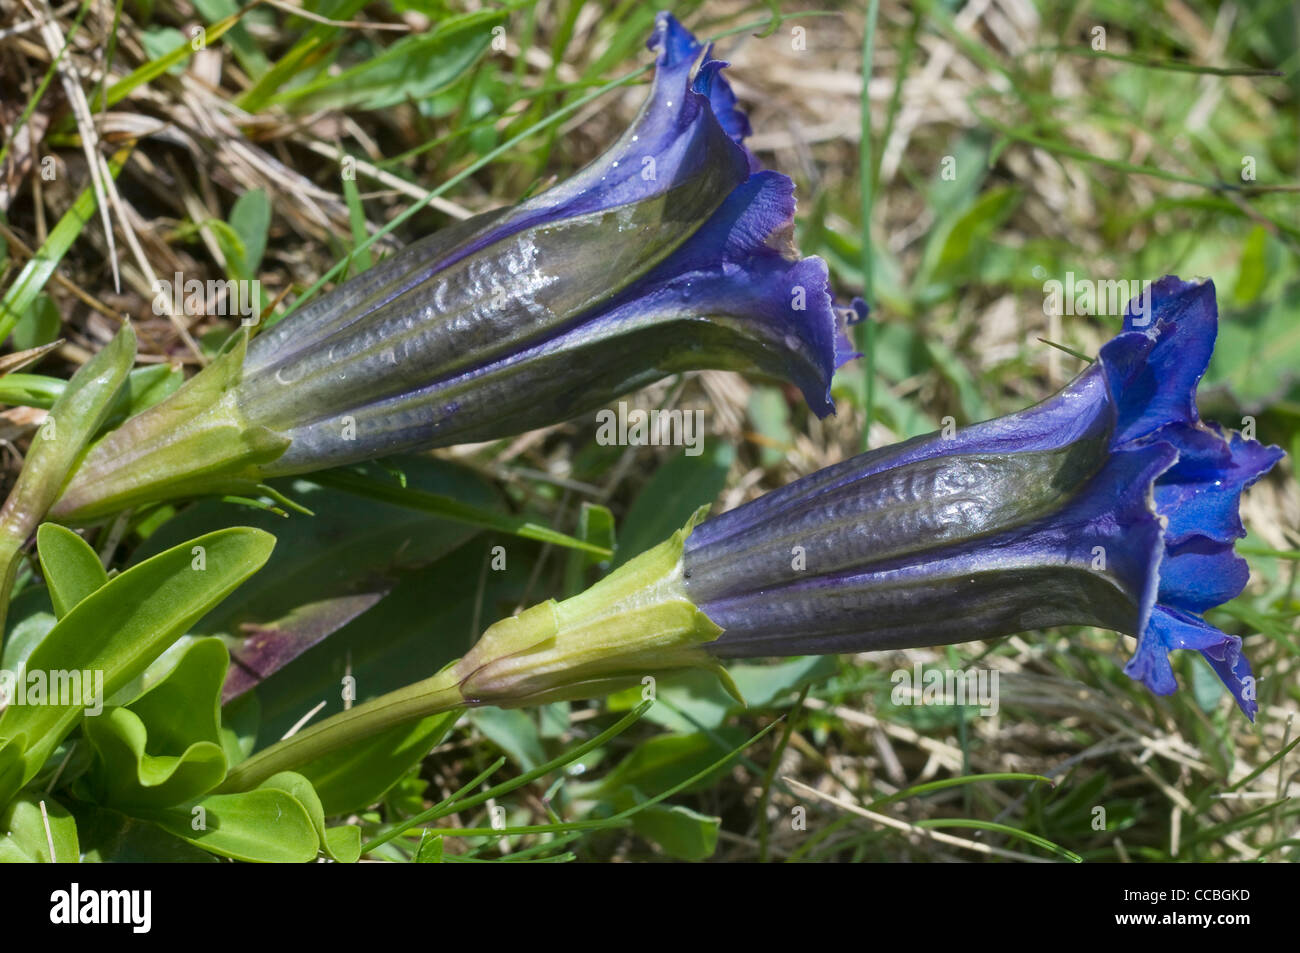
670 252
1110 504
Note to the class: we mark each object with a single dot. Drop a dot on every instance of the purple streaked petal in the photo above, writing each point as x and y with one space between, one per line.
1089 562
676 140
1079 411
734 295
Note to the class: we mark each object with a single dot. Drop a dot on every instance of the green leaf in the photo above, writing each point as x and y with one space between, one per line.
39 326
239 723
407 796
158 41
232 247
341 843
265 825
75 417
413 68
448 508
145 386
30 390
25 840
155 67
307 52
663 762
939 823
596 526
1257 353
764 685
513 731
249 54
770 413
1207 688
124 625
969 235
34 620
327 569
250 218
71 568
430 849
693 700
696 700
1253 271
109 836
128 778
357 219
184 706
679 831
12 765
163 748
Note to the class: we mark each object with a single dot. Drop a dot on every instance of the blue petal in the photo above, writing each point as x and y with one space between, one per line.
1200 574
741 265
689 119
1152 373
1152 370
729 287
1201 494
1169 629
1079 411
675 136
1090 560
678 47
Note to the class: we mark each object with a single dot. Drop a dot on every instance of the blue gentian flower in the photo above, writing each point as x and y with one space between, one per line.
1111 504
670 252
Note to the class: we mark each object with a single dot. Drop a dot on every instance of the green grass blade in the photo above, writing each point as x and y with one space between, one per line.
36 273
450 509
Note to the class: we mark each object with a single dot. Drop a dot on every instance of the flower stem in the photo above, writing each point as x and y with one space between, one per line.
432 696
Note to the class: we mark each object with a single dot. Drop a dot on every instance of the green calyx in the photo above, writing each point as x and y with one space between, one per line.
194 443
636 622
